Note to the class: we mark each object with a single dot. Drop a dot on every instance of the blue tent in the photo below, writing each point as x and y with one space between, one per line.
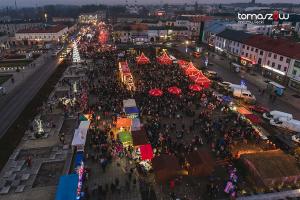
131 110
227 98
78 159
67 187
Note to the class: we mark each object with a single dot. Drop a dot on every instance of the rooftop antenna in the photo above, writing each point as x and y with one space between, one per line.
16 5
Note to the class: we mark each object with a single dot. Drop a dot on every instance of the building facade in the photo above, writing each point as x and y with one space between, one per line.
11 27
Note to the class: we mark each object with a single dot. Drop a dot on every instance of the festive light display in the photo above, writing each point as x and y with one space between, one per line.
76 56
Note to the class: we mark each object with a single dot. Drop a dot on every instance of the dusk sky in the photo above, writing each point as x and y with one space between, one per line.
80 2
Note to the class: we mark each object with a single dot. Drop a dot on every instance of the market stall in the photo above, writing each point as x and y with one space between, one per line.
146 152
126 76
139 138
67 187
131 112
123 123
79 138
136 124
125 137
165 167
155 92
199 163
195 88
142 59
164 59
129 103
174 90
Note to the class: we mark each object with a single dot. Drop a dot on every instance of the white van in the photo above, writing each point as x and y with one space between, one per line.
275 114
289 124
245 95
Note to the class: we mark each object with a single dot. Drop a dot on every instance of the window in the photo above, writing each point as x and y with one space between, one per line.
261 53
270 54
268 62
288 60
243 46
285 68
252 49
247 47
256 50
273 64
279 67
281 58
275 56
242 53
246 54
297 64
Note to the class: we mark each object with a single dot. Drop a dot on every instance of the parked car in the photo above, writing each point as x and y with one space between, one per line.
245 95
275 114
259 109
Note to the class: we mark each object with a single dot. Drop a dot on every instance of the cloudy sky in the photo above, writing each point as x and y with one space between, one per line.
80 2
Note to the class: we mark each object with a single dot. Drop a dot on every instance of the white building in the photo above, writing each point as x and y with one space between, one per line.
252 28
49 34
230 42
12 27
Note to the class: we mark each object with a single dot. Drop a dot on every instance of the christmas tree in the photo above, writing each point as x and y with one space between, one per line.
76 56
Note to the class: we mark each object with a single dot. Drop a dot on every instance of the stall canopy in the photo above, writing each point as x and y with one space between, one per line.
131 110
165 167
123 66
146 152
124 122
136 124
155 92
80 134
164 59
243 111
83 118
200 163
139 138
129 103
195 88
78 159
142 59
125 138
174 90
67 187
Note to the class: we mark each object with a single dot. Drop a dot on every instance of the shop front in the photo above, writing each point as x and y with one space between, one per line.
295 84
274 74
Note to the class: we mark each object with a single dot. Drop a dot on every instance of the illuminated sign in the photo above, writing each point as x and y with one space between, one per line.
274 70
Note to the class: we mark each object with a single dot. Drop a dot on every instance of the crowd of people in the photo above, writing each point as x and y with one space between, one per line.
175 124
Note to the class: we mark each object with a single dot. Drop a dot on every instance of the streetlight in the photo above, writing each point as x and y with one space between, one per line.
186 46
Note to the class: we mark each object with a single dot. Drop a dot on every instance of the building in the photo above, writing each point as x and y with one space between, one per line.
87 18
11 27
211 29
63 19
279 58
41 35
230 42
252 28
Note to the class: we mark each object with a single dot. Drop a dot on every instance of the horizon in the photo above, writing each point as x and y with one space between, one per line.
34 3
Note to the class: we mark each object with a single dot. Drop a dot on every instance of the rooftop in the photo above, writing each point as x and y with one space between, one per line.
51 29
234 35
279 46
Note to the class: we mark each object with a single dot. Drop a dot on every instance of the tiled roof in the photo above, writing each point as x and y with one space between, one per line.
234 35
279 46
52 29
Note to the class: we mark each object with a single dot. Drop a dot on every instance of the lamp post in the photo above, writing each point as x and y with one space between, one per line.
186 46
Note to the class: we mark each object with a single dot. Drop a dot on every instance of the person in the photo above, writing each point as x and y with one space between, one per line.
28 161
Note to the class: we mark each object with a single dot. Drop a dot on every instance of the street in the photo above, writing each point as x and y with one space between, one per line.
14 103
222 68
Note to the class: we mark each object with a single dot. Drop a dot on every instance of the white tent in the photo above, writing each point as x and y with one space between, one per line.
79 138
129 103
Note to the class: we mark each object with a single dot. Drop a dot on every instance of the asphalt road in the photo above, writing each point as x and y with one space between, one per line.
12 105
227 75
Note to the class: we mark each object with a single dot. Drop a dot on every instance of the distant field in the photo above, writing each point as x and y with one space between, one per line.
14 63
4 78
